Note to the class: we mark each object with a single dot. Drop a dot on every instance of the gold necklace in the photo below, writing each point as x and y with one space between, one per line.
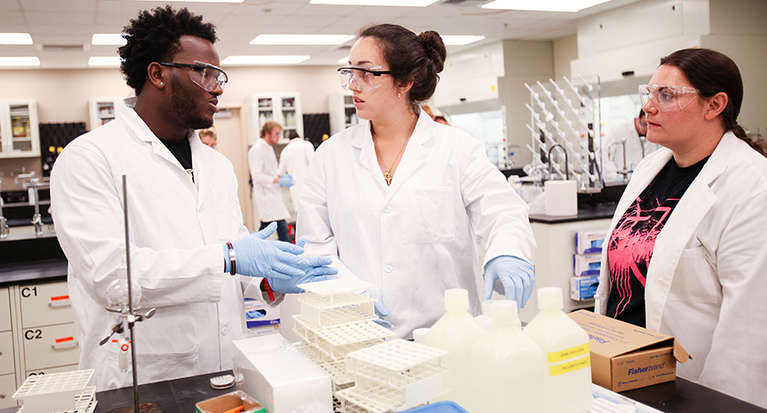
388 175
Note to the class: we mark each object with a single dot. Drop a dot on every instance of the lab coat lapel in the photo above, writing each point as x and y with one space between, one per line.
414 157
366 154
677 232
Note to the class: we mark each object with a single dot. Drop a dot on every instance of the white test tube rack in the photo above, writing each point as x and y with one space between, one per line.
335 319
57 392
393 376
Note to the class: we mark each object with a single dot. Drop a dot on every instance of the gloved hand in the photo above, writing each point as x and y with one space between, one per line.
286 181
316 269
516 276
381 311
258 257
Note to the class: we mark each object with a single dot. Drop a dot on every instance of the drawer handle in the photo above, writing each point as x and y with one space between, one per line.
59 301
64 343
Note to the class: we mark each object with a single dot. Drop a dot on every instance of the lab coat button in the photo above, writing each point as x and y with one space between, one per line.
388 268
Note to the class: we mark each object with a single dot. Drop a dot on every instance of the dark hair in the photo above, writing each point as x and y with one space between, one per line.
153 37
712 72
293 135
417 58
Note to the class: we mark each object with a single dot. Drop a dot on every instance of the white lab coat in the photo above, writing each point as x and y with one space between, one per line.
267 195
415 238
707 279
294 160
177 231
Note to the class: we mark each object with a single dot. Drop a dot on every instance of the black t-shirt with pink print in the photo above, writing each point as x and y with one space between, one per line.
631 244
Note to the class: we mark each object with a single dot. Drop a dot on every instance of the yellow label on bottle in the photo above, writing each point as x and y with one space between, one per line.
568 353
559 369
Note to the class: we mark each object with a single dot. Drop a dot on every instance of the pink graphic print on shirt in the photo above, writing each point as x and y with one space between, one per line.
631 246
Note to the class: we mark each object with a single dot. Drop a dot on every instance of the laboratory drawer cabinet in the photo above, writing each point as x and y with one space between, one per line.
45 304
50 346
51 370
5 310
7 388
6 352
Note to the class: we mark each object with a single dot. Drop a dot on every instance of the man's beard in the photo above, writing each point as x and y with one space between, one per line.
184 108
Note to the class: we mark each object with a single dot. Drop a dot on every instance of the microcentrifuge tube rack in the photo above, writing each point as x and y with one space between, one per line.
335 319
57 392
393 376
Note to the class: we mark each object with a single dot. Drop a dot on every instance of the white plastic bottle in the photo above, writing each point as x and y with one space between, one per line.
456 332
510 366
567 386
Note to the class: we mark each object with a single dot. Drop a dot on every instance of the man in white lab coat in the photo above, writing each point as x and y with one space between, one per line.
294 161
267 182
186 227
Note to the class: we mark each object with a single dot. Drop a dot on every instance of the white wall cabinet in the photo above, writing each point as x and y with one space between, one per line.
19 134
283 108
470 76
341 111
102 110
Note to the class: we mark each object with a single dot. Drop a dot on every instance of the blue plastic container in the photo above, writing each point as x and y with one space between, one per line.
439 407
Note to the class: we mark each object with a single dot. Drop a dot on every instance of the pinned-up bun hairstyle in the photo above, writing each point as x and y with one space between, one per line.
411 57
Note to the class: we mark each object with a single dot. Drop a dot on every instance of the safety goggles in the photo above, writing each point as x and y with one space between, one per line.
667 98
205 75
364 78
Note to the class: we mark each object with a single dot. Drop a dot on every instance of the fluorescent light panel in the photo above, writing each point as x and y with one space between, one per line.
199 1
398 3
265 60
104 61
19 61
302 39
459 40
571 6
15 38
108 39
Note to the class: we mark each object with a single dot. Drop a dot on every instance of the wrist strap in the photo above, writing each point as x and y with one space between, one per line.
232 258
266 287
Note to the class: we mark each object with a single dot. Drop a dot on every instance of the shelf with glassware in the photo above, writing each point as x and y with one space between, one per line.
342 112
283 108
19 134
102 110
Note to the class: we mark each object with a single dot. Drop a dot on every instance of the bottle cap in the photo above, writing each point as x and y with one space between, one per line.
503 312
550 298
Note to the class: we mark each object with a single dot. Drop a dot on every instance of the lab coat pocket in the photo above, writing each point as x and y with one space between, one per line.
695 279
437 214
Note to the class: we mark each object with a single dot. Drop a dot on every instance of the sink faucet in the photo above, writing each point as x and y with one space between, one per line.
37 219
4 230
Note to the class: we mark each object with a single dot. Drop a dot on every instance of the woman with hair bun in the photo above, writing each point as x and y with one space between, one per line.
687 248
400 199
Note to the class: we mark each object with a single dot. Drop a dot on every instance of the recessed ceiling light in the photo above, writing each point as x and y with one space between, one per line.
459 40
104 61
19 61
15 38
199 1
265 60
108 39
399 3
543 5
302 39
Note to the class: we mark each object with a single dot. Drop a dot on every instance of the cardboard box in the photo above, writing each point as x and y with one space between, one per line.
234 401
586 265
624 356
589 242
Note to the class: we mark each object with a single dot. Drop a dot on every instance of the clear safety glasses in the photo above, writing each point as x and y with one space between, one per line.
667 98
205 75
364 78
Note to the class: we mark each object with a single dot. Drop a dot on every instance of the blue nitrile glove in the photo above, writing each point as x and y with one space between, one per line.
381 311
515 274
286 181
258 257
316 268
